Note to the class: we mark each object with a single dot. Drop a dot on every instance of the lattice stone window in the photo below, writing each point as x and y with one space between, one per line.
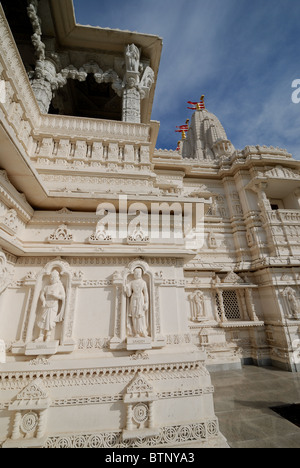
231 305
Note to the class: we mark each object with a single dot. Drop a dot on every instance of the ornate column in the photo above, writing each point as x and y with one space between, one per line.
129 425
131 95
16 434
241 295
137 84
42 423
120 312
221 304
250 305
44 79
131 105
151 415
45 82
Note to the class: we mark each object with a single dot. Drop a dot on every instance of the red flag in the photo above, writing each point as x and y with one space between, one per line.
182 128
198 105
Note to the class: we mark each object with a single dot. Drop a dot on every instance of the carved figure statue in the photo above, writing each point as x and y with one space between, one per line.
53 302
132 58
197 306
293 302
138 309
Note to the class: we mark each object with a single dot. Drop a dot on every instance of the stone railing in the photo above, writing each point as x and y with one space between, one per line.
284 217
289 216
91 153
283 229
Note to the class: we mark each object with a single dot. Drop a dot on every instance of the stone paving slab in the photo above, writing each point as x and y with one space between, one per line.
242 402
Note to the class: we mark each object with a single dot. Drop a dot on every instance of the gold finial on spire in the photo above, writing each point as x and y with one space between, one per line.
201 105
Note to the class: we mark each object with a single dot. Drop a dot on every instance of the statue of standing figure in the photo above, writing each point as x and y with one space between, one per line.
53 302
138 309
293 303
132 58
197 306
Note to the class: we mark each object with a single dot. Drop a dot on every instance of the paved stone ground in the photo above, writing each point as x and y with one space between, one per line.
242 403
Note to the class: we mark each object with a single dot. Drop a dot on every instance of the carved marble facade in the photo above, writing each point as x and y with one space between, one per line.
99 311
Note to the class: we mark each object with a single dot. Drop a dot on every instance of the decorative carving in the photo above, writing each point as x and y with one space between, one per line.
232 278
10 220
138 236
139 355
206 432
61 235
50 310
29 416
53 298
136 87
293 303
138 309
5 275
197 306
147 82
100 236
212 241
139 399
36 25
280 172
132 56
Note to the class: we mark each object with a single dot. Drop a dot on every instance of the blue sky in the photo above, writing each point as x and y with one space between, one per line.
242 54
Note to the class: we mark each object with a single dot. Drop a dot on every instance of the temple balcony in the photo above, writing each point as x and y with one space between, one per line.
283 231
82 156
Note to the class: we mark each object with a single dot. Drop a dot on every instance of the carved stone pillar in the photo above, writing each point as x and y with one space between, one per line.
16 434
131 96
250 305
137 84
45 74
241 295
42 423
151 415
221 304
129 418
131 106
